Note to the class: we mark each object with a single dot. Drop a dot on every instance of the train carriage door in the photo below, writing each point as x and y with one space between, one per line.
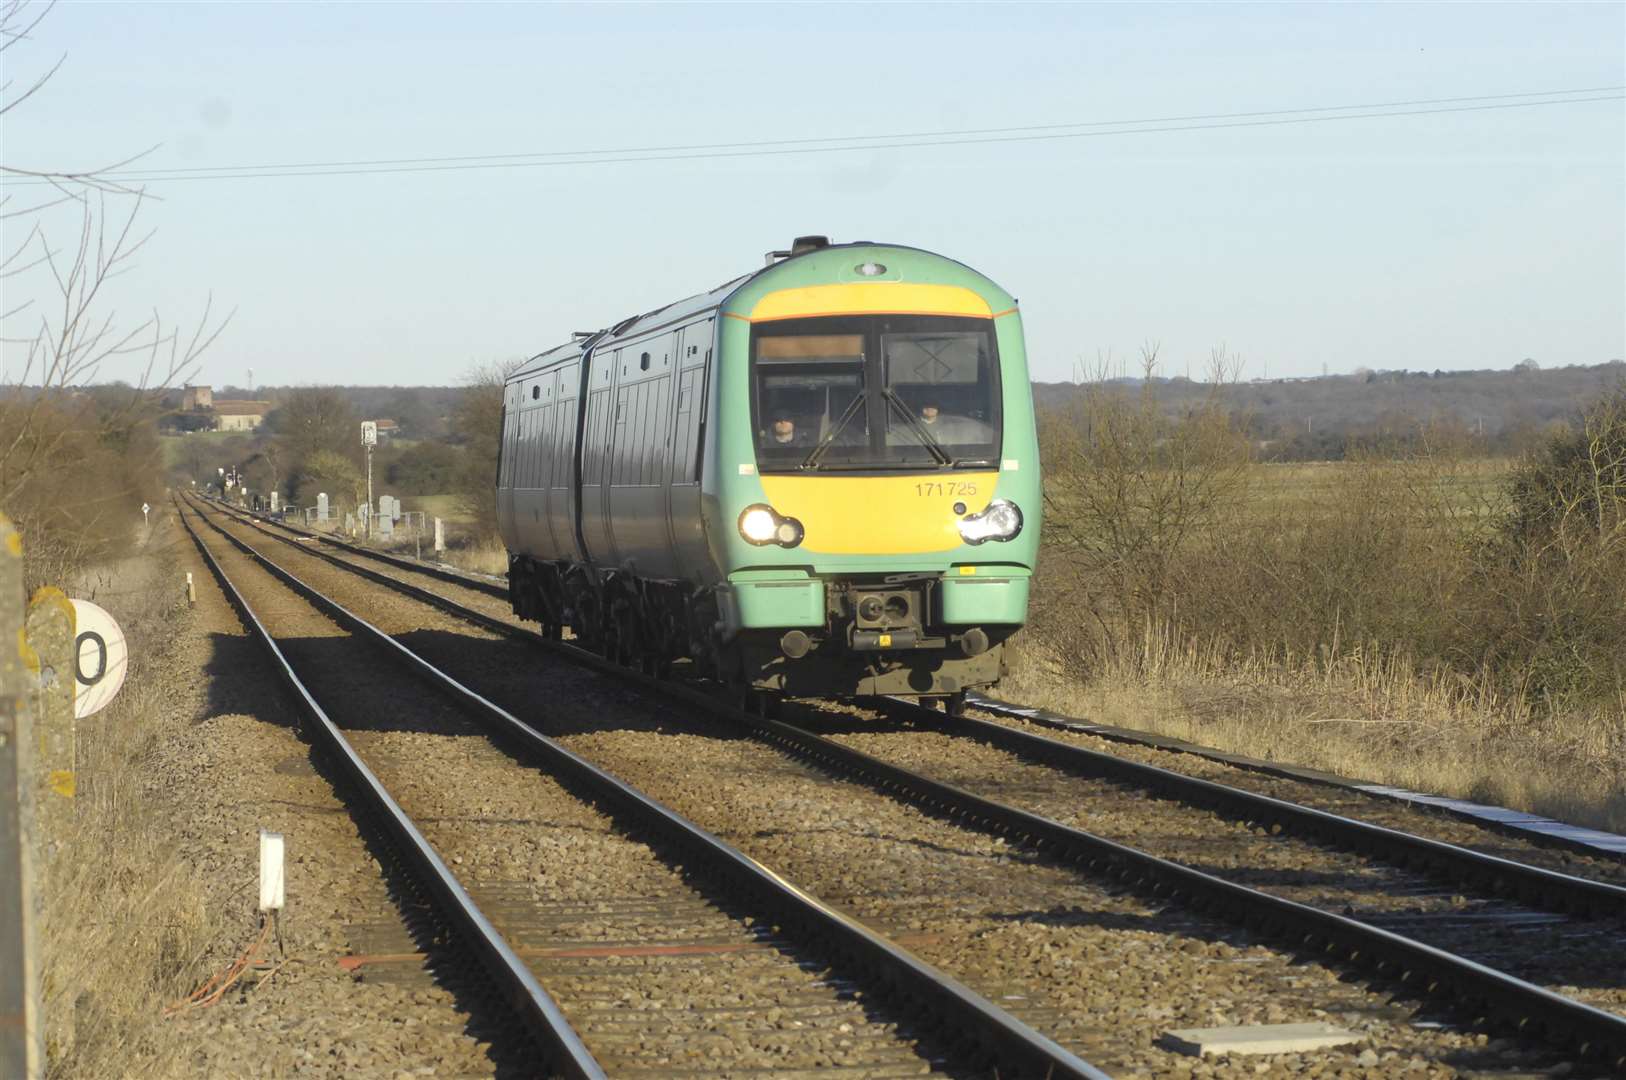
654 530
558 477
683 472
544 463
597 446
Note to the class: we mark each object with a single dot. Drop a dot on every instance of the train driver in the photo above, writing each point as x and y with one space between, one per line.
949 427
783 431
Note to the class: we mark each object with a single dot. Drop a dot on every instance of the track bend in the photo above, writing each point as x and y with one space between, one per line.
1472 990
669 957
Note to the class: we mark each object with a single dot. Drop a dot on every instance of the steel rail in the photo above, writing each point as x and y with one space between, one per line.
994 1035
561 1046
1554 838
1548 889
1594 1032
1534 885
468 581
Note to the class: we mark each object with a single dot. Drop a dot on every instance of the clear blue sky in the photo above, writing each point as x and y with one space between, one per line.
1448 241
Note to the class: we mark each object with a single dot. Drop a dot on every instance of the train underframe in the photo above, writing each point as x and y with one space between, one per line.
878 636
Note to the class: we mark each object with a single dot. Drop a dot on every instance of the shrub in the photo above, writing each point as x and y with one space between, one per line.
427 468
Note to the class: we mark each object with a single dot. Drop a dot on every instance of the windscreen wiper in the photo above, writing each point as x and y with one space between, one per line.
926 438
812 459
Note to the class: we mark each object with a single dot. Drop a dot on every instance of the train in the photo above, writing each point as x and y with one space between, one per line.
817 480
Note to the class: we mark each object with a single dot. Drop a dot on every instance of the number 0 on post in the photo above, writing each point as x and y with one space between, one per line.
100 659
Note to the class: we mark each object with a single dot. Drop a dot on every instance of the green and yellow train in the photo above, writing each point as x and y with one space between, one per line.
818 480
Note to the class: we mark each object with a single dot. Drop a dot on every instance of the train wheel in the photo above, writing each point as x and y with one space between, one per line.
954 704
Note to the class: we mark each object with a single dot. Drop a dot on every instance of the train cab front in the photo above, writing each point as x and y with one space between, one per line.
885 508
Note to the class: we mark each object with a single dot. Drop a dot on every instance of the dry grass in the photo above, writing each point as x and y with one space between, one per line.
1414 614
125 925
1366 717
482 557
464 549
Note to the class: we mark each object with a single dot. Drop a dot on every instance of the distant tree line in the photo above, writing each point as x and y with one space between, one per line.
1322 419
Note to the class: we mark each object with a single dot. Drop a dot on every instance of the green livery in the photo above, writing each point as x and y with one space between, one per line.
820 479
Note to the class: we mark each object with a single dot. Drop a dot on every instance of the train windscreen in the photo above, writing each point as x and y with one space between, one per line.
852 393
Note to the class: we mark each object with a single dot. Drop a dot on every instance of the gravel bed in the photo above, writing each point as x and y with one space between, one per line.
239 767
1347 803
1577 957
467 595
652 975
1105 972
1413 819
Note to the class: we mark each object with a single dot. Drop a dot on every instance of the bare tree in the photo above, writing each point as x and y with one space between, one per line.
1131 484
478 418
59 319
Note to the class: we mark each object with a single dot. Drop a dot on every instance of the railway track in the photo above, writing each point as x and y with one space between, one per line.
1475 989
1520 881
1528 835
730 970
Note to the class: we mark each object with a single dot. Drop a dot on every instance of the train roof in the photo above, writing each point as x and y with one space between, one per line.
693 305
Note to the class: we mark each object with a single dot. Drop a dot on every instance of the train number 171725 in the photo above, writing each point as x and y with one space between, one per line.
946 489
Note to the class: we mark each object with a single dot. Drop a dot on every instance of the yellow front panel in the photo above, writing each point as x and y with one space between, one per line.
880 515
870 298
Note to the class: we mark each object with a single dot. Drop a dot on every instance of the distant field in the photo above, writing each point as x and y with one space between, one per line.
449 508
1309 487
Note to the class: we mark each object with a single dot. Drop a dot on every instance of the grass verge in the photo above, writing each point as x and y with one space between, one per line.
125 926
1362 716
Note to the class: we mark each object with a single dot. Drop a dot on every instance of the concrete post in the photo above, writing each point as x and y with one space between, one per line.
22 1020
440 538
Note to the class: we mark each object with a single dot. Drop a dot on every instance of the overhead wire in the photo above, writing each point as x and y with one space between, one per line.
839 144
134 174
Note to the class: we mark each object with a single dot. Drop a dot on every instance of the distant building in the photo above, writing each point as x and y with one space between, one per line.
240 415
197 397
388 429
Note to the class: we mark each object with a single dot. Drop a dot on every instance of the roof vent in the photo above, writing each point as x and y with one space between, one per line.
800 246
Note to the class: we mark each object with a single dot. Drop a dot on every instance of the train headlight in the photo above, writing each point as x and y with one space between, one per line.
761 525
999 520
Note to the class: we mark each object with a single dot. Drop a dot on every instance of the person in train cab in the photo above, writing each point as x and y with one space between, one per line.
951 427
785 432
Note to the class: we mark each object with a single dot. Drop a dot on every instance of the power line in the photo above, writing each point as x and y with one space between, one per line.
789 147
137 173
